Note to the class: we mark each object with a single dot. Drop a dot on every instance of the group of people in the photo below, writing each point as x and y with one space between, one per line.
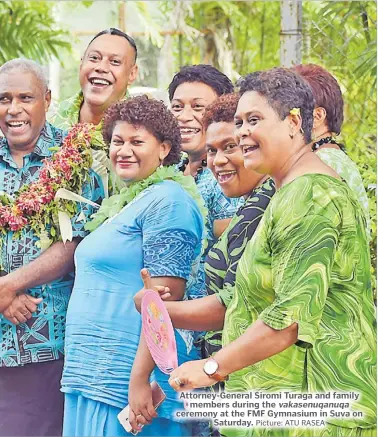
256 238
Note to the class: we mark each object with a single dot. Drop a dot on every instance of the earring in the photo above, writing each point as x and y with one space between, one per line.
291 135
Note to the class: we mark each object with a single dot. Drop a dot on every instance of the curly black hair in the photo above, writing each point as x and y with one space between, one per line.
284 90
151 114
202 73
222 110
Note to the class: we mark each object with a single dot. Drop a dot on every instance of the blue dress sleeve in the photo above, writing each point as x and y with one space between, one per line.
172 230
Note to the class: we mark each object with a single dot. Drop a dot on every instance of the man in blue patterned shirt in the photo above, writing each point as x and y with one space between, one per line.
34 287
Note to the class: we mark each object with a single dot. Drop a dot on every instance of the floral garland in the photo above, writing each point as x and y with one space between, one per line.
113 205
35 205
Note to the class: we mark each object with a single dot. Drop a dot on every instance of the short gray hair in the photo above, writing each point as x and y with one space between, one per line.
26 66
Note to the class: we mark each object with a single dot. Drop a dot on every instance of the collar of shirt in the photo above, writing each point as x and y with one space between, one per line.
49 136
69 112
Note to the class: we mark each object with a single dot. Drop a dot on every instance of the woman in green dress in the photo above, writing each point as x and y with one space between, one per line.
301 318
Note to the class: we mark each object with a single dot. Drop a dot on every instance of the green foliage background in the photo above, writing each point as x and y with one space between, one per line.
28 29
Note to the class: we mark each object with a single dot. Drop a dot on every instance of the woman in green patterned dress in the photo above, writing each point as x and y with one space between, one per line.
301 318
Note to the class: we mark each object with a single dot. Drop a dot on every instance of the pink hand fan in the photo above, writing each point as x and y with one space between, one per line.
158 332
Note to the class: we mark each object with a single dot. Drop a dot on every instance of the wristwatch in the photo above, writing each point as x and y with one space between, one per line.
211 370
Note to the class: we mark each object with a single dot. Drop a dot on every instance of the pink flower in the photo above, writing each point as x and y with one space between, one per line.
14 218
17 222
5 212
28 204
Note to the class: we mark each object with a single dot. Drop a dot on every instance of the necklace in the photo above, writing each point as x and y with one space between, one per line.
200 169
114 204
327 140
185 162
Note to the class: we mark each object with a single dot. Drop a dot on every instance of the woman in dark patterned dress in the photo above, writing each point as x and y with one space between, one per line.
225 159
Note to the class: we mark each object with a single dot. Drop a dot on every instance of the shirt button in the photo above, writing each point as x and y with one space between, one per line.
18 331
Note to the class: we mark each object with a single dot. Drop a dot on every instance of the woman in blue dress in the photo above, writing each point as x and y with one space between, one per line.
157 222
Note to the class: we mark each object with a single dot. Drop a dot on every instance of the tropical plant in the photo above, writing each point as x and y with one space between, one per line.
237 37
28 29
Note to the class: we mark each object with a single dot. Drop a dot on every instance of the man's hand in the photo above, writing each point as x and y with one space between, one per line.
55 262
21 308
164 292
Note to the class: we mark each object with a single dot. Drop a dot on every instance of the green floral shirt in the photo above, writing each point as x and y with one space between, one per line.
308 263
69 111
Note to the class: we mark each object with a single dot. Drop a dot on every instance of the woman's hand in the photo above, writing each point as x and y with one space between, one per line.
140 403
189 376
163 291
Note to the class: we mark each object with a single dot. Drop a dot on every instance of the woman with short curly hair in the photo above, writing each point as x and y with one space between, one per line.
156 222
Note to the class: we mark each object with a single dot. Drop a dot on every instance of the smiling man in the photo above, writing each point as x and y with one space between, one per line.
107 68
35 287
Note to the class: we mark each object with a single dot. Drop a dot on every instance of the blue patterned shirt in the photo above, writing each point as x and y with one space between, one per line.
41 338
219 207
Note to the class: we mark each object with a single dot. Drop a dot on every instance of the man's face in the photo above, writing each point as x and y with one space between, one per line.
23 105
107 69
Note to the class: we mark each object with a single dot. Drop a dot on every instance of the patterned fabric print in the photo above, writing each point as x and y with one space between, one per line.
169 251
41 338
222 260
348 170
308 263
172 253
219 207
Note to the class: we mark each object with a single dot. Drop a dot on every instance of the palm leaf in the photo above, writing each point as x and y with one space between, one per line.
28 30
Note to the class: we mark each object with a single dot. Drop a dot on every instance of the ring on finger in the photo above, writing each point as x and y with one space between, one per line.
178 382
25 313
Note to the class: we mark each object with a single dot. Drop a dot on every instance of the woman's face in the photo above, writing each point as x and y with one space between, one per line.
262 135
134 152
188 105
225 160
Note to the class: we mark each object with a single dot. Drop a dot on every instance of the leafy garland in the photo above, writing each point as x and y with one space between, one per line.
113 205
35 205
